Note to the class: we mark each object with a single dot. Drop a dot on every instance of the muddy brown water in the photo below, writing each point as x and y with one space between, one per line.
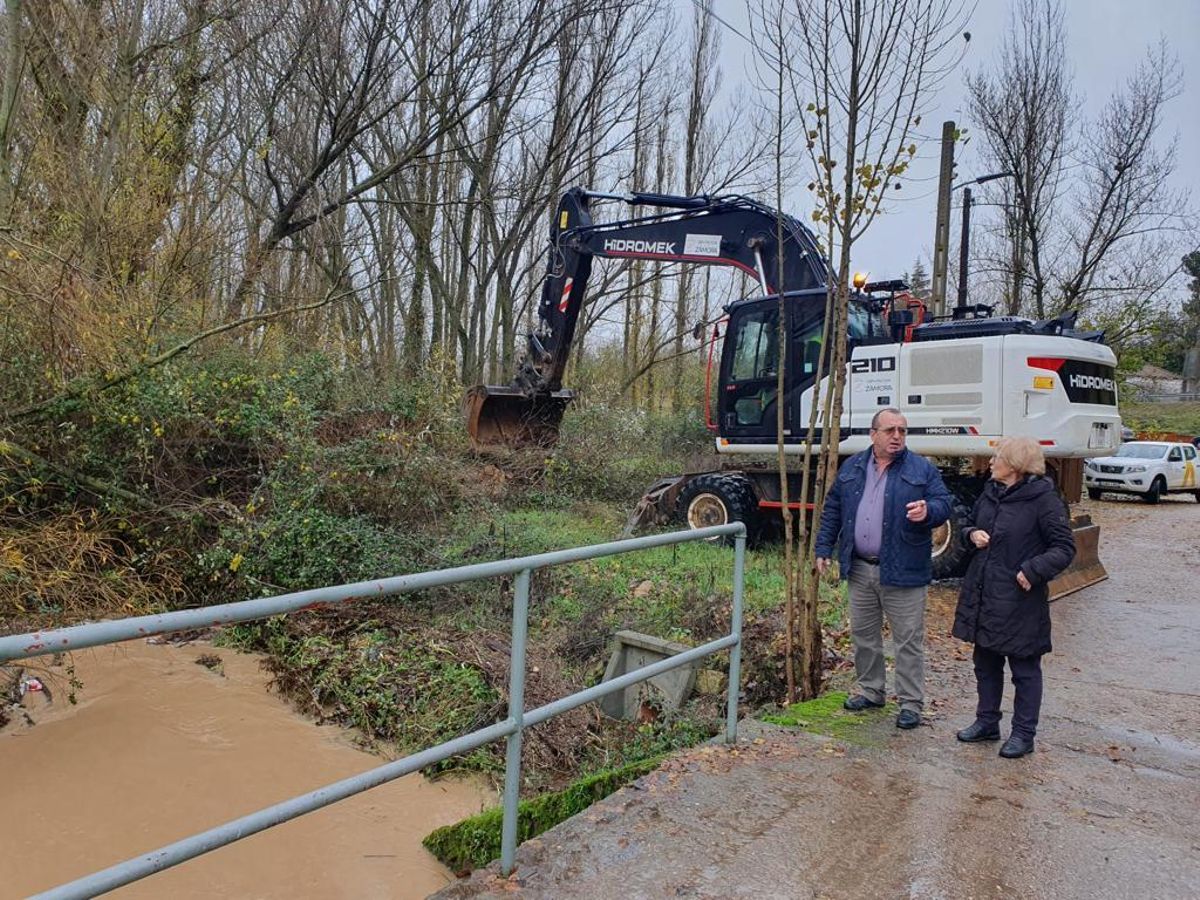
159 747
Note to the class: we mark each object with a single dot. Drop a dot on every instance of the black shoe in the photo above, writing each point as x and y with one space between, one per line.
1016 746
908 718
974 733
859 702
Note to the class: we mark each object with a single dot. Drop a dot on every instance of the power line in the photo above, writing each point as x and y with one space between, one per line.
699 4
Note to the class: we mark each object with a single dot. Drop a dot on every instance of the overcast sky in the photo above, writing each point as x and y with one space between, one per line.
1106 39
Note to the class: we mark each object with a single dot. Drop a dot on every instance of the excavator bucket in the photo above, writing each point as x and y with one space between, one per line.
502 416
1086 569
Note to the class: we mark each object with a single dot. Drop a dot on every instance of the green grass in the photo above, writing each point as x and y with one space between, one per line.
825 715
1182 418
678 592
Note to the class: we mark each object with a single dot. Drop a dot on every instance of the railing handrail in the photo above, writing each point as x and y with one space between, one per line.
94 634
98 633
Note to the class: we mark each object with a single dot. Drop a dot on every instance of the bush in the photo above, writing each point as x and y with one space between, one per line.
614 453
391 475
304 547
193 429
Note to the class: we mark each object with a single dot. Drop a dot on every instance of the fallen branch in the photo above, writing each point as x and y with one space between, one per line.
95 485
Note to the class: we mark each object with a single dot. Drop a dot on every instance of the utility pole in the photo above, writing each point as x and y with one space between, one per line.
964 249
941 234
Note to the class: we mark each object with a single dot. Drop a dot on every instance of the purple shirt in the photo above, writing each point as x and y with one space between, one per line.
868 521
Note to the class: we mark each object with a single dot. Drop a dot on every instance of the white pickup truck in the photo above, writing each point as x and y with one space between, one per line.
1148 468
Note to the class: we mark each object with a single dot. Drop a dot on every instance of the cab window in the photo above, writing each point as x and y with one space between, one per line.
1176 455
1189 452
862 322
755 354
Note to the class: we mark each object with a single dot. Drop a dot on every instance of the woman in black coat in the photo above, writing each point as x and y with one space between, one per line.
1022 539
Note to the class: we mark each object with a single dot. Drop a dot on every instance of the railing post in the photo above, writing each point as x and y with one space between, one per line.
516 712
735 628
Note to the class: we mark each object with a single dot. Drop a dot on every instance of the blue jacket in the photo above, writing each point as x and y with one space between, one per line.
904 557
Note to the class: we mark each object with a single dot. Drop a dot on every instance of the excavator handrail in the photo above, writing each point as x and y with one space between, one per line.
709 422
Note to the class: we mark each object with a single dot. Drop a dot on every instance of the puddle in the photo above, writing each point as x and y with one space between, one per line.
160 747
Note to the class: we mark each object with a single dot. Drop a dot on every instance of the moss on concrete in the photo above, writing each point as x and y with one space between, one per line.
475 842
825 715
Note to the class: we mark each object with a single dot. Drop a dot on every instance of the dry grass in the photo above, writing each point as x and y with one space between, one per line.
78 566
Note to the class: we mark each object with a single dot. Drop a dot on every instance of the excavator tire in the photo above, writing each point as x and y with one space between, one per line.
714 499
950 553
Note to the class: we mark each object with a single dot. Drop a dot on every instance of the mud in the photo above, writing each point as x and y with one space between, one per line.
159 748
1109 805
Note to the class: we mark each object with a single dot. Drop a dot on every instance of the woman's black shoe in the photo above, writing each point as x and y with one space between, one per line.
974 733
1016 746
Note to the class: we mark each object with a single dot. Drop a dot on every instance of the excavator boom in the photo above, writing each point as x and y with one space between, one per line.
724 231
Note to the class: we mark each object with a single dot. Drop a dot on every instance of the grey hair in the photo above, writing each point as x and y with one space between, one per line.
890 409
1023 455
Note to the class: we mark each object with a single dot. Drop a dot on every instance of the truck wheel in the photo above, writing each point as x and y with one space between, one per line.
1094 493
1158 487
709 500
949 553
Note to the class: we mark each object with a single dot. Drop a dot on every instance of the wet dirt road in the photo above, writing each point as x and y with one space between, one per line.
159 748
1108 806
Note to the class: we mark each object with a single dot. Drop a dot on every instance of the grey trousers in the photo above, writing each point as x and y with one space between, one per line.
904 607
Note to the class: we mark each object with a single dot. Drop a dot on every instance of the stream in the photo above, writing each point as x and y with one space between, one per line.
160 747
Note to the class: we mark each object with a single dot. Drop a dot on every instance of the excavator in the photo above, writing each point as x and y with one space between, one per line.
963 381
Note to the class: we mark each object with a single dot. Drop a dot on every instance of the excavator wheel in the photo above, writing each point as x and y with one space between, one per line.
950 553
713 499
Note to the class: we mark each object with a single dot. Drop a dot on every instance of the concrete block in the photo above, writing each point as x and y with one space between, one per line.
632 651
710 682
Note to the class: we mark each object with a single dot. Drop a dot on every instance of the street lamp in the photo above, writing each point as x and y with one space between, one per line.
964 243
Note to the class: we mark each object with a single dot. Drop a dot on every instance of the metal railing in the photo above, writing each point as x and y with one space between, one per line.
95 634
1145 396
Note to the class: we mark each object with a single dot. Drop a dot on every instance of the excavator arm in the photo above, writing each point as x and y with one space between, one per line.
723 231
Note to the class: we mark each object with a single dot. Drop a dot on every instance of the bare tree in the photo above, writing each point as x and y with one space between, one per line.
1125 192
1024 110
858 74
704 81
1090 222
14 61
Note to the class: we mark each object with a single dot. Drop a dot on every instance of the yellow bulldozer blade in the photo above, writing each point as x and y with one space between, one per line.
1086 569
501 416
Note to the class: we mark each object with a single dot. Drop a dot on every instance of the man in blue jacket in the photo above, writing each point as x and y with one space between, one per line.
877 522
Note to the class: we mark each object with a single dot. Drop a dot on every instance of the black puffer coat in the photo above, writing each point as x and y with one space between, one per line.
1029 532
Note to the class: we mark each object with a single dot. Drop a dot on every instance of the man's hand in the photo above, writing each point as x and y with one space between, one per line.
917 511
1023 581
822 565
980 538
